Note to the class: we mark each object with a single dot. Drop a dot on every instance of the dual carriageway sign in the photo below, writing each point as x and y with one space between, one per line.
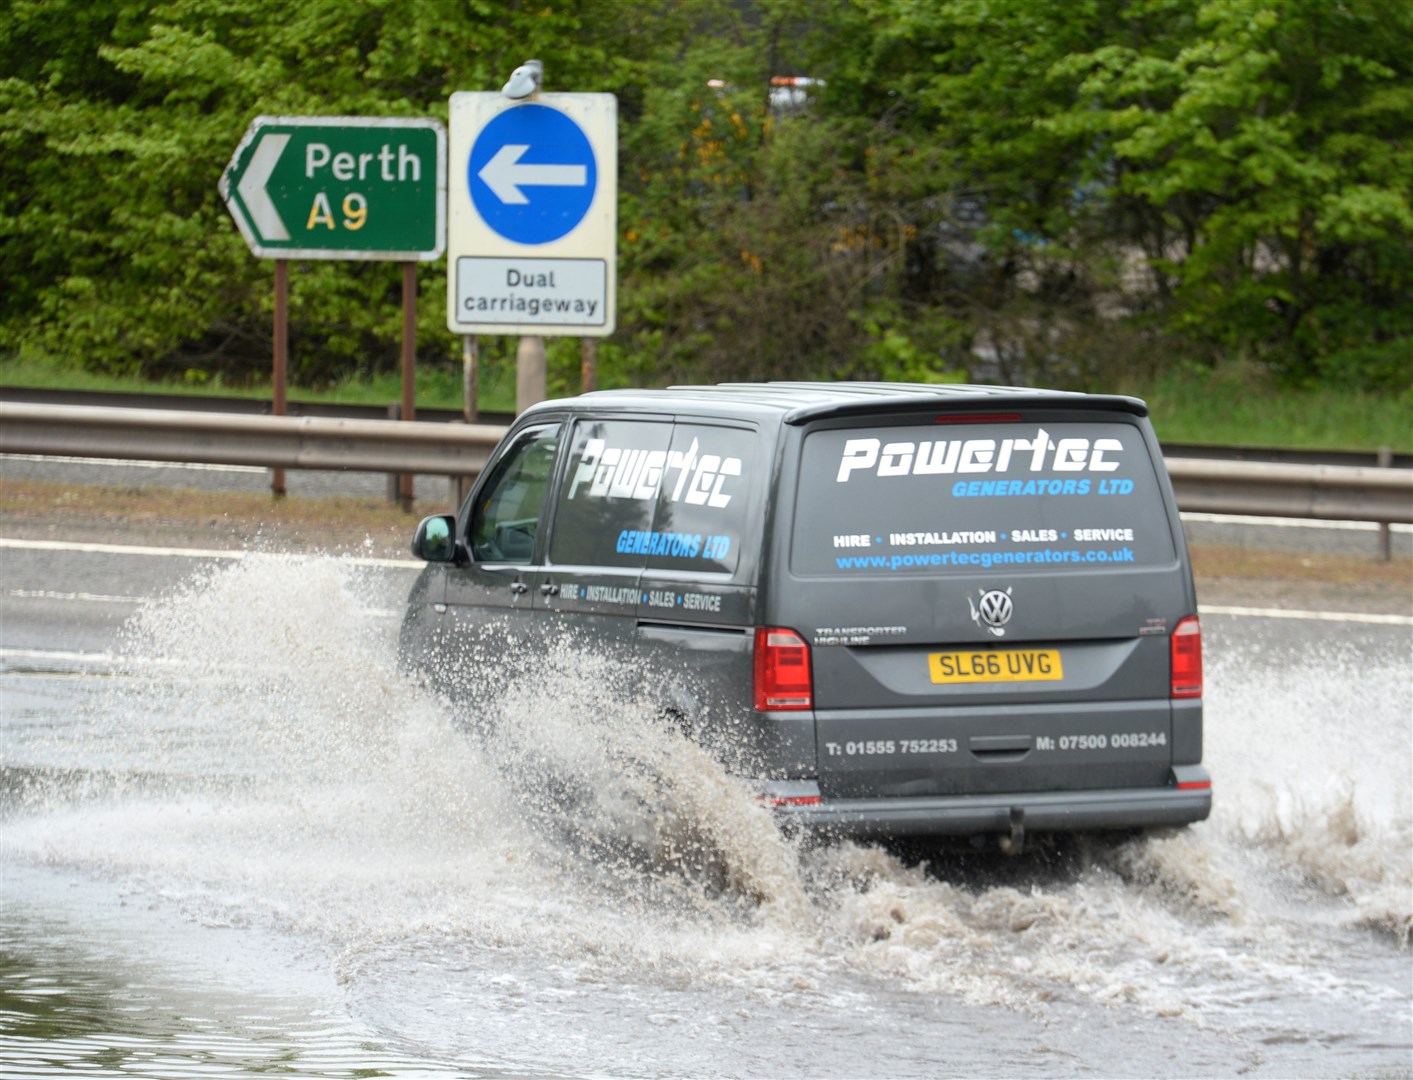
533 214
526 207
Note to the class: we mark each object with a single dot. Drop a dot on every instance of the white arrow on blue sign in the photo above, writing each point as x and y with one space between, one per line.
532 174
532 216
505 175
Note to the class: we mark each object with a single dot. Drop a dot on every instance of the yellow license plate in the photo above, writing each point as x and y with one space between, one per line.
996 665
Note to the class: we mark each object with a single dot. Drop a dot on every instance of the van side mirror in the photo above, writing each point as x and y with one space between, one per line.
435 539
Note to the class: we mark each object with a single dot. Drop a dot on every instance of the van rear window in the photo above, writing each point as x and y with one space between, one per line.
1015 496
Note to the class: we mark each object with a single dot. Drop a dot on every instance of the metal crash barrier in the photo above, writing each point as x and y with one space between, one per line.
277 442
1324 492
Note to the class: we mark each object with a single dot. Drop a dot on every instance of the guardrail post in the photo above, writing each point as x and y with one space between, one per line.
394 479
1385 529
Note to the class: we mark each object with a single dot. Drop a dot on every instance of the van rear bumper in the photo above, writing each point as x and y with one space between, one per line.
1049 811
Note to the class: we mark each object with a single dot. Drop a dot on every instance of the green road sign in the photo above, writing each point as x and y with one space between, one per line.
340 187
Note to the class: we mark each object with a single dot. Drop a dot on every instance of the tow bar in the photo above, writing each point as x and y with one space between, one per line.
1014 844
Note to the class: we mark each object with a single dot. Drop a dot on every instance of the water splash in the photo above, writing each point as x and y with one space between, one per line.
268 762
1312 755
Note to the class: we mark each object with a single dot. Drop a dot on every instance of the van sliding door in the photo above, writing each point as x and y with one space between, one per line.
589 586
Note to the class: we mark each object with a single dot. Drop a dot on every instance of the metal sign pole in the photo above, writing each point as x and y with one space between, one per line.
588 364
409 364
530 380
470 391
281 366
369 188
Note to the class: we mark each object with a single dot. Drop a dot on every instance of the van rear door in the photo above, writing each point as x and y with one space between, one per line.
989 601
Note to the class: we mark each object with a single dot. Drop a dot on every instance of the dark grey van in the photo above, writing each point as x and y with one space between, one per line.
896 609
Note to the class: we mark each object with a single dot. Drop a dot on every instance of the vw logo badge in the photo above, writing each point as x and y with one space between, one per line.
993 611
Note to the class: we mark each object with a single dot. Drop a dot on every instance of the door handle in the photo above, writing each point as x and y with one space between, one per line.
519 587
549 588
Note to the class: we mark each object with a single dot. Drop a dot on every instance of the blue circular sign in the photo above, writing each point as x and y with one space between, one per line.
532 174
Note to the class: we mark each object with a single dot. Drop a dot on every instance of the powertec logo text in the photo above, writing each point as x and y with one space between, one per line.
1038 454
612 472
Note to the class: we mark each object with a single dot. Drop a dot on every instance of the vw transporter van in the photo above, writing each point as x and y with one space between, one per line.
893 609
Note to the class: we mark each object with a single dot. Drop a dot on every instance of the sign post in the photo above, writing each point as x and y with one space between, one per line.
532 216
280 375
341 187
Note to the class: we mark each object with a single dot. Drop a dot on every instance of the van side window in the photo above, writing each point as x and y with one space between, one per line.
508 509
704 507
609 492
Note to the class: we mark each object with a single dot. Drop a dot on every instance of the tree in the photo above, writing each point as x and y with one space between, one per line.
1229 178
1266 165
1057 191
115 248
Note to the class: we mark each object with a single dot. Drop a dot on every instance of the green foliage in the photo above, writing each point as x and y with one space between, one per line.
1268 150
1056 191
1239 406
115 248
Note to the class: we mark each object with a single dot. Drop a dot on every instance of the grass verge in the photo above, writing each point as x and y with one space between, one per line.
1228 410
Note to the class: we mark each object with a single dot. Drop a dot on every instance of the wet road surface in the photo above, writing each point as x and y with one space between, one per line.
236 839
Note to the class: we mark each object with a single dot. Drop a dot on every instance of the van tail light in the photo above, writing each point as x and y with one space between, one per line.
782 670
792 800
1186 642
979 418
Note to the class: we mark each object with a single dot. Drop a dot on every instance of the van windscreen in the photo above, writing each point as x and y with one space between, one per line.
1023 496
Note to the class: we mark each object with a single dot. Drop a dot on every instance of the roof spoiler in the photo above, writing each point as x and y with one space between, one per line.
960 405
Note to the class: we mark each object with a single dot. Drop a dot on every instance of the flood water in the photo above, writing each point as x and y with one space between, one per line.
244 842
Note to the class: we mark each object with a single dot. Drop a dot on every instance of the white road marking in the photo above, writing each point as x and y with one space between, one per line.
57 655
189 553
81 548
85 597
119 463
108 664
1316 616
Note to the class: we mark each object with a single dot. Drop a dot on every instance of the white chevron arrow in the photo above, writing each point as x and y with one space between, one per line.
505 176
263 215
